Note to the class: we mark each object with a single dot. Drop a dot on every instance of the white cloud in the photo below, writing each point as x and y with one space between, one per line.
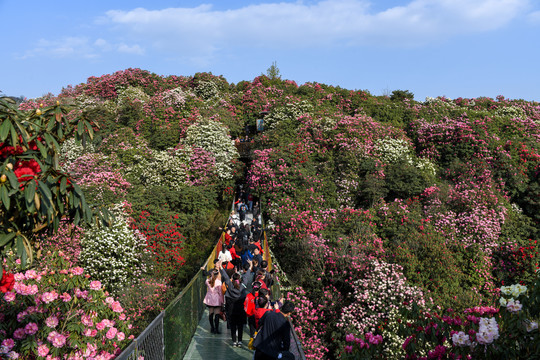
65 47
300 24
103 44
199 34
107 46
79 47
534 17
133 49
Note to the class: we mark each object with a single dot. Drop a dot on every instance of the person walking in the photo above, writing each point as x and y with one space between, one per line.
249 307
274 337
242 209
234 305
213 298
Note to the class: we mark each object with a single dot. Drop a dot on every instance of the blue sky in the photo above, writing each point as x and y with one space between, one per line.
466 48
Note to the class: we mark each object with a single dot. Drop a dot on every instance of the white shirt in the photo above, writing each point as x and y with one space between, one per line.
225 256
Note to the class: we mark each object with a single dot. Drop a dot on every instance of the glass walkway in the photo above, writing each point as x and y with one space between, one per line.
205 345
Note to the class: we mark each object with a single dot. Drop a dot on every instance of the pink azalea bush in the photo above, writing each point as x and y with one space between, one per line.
56 311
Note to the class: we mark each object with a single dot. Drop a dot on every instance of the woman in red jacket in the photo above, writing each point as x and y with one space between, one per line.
264 305
249 307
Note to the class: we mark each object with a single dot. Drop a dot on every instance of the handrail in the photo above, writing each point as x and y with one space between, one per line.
297 349
138 347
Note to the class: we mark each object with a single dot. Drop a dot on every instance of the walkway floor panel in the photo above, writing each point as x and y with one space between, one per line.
207 346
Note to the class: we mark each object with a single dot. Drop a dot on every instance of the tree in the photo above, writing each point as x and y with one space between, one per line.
273 72
34 193
400 95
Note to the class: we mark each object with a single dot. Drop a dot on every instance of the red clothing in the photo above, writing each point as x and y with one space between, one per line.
263 284
258 313
229 266
258 244
228 239
233 253
249 303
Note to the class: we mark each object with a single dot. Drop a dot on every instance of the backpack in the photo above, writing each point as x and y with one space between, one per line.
249 304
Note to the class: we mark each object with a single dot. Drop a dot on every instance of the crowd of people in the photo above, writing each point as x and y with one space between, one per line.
240 287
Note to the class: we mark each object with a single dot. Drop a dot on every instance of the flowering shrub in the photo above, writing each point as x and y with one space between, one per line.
308 321
112 255
393 150
176 97
144 299
207 90
89 104
212 137
34 194
162 168
507 331
366 346
517 262
200 165
131 95
107 86
67 239
71 151
382 290
164 240
56 311
101 180
283 116
167 116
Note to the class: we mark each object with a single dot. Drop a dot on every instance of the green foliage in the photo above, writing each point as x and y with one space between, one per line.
220 83
400 95
130 115
194 209
404 181
35 194
102 115
442 269
273 72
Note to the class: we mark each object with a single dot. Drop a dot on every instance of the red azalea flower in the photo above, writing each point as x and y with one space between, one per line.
25 170
7 282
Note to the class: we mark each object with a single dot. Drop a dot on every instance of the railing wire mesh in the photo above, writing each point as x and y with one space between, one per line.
148 345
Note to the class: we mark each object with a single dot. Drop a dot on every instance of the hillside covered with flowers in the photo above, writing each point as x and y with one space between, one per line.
406 229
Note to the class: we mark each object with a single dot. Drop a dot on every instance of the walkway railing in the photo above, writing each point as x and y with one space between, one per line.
169 335
149 344
277 287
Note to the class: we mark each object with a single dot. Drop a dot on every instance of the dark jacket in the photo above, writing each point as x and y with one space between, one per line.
274 334
234 300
